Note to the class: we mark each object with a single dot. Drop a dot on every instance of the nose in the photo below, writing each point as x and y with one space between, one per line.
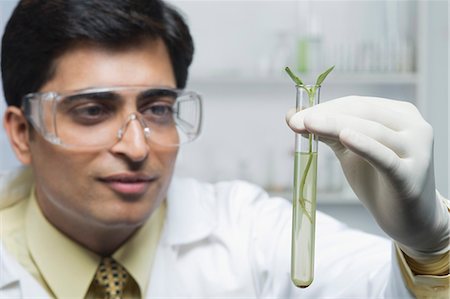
132 140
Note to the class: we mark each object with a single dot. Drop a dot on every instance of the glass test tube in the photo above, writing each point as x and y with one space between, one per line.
304 197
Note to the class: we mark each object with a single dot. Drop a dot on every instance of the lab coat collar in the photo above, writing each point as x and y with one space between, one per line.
15 185
8 277
190 213
14 277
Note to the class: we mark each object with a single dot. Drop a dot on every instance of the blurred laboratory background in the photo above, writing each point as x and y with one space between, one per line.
393 49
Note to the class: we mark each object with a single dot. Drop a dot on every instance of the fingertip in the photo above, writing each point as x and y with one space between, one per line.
290 113
316 122
296 122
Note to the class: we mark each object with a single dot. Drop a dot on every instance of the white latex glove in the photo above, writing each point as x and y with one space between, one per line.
385 148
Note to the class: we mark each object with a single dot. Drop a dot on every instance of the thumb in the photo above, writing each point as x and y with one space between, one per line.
295 120
335 145
378 155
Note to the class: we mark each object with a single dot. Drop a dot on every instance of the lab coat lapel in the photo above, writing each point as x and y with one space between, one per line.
190 216
15 281
165 280
15 185
7 277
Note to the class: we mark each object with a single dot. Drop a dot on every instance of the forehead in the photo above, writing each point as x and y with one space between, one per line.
89 65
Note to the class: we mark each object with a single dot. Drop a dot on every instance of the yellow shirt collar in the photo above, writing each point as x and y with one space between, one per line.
68 268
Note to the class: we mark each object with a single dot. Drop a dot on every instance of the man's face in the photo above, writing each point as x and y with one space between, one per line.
117 186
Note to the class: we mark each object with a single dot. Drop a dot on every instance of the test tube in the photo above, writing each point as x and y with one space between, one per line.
304 196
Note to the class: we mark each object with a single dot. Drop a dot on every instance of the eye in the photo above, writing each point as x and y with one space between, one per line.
160 110
88 108
91 113
160 113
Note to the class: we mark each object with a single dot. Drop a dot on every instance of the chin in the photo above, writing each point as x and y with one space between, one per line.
129 213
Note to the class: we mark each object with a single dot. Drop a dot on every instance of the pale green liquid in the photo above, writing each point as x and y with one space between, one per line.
304 219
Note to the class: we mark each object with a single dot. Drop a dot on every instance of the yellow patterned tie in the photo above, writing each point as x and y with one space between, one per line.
112 277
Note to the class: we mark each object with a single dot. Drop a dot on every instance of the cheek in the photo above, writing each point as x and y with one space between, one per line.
167 158
59 171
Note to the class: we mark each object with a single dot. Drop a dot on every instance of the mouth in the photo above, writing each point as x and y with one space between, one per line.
128 184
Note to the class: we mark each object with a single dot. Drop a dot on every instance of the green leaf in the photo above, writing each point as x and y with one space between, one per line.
322 76
293 77
311 93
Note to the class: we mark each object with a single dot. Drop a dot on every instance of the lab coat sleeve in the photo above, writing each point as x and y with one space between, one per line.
426 286
348 263
423 286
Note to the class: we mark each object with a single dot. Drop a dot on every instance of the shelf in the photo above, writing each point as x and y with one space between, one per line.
334 79
336 198
324 197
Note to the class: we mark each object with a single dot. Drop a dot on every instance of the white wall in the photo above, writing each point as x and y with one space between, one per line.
7 158
437 87
244 134
233 40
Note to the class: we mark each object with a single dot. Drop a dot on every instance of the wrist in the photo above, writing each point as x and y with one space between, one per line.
436 264
431 262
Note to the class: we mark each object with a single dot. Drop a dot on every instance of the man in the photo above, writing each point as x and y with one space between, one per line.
96 111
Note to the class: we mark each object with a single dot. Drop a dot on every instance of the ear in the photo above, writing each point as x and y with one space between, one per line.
16 127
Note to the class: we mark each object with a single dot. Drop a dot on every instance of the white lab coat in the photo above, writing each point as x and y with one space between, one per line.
230 240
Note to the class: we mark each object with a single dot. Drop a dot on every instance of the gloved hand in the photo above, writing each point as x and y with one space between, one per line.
385 148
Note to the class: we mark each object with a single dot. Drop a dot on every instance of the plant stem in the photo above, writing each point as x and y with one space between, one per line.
302 199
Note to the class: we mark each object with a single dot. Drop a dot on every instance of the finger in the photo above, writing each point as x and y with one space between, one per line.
295 120
289 114
298 126
334 144
378 155
390 115
401 106
396 115
331 126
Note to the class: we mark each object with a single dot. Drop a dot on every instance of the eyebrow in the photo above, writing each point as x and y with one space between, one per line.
149 93
98 96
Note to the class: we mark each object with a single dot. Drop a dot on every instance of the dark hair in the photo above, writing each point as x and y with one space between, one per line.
40 31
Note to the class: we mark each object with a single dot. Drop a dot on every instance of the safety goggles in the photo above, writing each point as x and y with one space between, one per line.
96 118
